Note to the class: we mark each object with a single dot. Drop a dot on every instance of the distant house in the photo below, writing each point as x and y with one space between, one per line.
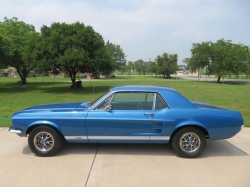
97 76
60 75
10 72
182 67
65 75
147 63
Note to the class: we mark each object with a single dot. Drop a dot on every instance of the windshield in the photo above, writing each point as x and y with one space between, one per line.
98 99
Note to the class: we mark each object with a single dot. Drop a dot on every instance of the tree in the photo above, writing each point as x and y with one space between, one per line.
140 66
167 64
219 52
123 68
247 63
130 67
237 58
152 68
221 58
103 64
74 48
200 57
117 54
19 41
2 53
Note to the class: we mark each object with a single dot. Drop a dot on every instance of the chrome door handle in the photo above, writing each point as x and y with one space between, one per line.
149 114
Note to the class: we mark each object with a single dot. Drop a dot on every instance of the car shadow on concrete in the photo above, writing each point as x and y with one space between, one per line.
69 149
216 148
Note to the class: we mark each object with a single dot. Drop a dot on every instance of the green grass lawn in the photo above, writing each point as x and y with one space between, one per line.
14 97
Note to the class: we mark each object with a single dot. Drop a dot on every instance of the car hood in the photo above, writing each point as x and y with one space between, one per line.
59 107
203 105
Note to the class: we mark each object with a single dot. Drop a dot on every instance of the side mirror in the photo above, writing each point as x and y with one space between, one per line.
108 108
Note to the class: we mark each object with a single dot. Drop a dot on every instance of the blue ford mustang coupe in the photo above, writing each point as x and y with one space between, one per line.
127 114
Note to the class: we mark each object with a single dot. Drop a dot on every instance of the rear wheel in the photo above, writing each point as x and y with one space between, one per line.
189 142
45 141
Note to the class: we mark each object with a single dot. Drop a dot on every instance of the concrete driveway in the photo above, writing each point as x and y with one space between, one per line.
225 163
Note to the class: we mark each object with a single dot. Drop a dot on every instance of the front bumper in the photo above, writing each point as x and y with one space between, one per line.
12 130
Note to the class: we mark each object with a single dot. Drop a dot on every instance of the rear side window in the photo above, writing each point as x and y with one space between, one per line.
160 103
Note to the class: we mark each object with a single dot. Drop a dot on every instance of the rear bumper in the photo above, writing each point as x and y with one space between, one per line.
12 130
242 127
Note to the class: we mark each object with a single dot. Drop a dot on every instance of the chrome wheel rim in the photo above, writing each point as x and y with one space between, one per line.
190 142
44 141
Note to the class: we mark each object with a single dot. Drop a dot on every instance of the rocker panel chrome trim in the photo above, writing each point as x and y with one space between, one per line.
76 137
117 138
159 138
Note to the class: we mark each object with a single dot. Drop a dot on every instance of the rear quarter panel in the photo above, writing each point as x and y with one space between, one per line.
220 124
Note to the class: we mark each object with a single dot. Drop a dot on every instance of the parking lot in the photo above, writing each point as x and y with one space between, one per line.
223 163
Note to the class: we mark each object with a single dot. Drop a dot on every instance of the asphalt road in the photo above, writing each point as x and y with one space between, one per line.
225 163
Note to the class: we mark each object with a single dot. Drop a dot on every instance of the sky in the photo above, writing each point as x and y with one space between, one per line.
143 28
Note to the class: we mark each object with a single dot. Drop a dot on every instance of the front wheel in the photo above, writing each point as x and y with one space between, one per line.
189 142
45 141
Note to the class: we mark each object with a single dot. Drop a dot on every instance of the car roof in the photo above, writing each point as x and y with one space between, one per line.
171 96
141 88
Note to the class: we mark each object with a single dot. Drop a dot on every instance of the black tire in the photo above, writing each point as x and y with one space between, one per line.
45 141
189 142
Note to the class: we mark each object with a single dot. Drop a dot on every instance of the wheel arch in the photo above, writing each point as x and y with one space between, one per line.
201 128
32 127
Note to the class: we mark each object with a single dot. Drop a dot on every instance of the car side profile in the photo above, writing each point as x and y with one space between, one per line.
127 114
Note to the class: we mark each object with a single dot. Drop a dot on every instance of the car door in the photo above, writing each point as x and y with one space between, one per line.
129 120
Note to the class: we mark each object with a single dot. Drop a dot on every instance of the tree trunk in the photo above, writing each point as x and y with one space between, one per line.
73 79
75 84
22 74
24 81
218 80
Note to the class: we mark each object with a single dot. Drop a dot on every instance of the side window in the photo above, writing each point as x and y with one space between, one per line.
160 103
129 97
104 103
150 97
132 101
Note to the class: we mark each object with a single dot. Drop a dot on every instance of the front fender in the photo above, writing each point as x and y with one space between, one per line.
42 122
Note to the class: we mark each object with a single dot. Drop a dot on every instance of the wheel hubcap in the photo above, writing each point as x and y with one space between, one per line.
44 141
189 142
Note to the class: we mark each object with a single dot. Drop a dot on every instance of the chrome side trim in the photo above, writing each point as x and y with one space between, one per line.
15 131
159 138
76 137
118 137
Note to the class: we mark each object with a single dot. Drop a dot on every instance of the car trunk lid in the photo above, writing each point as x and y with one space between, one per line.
203 105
